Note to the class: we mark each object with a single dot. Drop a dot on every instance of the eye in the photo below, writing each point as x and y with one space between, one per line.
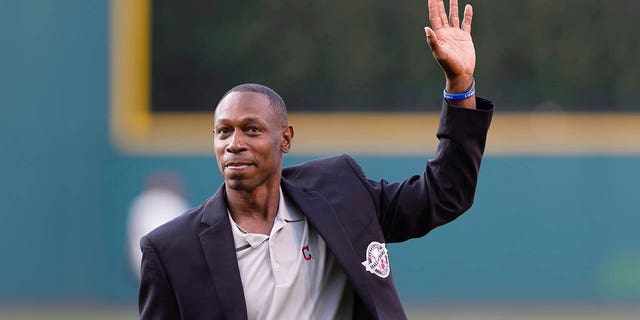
222 130
253 130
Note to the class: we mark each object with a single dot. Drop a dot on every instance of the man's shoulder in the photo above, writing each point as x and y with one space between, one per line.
325 172
325 165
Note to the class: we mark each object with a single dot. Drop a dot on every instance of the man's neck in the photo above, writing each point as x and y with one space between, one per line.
254 211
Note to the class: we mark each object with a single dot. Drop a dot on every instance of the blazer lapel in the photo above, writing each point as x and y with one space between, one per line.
324 219
219 251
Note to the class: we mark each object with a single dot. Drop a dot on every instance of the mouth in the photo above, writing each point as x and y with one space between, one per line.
238 165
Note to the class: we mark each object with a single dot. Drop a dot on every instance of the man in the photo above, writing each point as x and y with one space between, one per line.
308 242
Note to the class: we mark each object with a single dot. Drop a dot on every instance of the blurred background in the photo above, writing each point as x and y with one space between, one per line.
106 117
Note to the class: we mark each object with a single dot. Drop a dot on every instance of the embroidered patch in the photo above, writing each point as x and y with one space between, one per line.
377 261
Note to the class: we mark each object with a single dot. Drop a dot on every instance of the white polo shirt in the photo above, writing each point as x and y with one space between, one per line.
290 273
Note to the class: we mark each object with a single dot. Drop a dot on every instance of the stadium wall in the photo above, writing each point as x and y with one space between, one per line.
543 229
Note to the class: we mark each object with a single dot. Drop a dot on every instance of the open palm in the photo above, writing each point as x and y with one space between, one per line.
451 42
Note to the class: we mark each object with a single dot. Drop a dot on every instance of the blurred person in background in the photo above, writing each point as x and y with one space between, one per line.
161 200
309 241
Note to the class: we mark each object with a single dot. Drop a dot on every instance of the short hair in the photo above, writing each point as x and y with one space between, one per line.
275 101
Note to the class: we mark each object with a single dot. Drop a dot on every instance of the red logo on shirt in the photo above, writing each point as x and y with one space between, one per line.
305 253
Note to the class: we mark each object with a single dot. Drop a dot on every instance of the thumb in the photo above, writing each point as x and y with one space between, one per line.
432 39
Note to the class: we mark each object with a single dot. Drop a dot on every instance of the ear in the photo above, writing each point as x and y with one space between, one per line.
287 137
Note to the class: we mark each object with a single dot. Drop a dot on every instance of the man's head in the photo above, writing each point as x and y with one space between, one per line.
251 133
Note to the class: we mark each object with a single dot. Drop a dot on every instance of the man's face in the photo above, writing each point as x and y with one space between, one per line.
249 140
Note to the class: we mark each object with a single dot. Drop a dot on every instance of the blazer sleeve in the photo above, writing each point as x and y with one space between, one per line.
446 188
156 299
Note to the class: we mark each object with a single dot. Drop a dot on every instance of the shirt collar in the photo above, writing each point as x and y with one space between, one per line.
286 213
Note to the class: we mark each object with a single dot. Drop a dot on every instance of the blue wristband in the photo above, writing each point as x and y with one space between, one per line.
461 96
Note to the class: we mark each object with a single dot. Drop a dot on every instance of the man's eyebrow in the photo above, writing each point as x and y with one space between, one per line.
244 120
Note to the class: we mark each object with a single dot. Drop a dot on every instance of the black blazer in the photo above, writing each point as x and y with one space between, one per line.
189 266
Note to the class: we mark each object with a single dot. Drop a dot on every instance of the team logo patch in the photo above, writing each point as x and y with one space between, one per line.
377 261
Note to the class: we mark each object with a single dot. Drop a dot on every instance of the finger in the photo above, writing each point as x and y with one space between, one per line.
454 19
443 13
468 16
432 39
434 15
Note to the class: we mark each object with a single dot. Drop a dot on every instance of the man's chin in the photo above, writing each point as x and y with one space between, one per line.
237 184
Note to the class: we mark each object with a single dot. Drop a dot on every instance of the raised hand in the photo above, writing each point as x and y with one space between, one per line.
451 44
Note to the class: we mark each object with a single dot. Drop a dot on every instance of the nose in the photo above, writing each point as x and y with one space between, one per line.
236 143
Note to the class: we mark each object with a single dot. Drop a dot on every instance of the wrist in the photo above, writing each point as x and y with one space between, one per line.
470 92
459 84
